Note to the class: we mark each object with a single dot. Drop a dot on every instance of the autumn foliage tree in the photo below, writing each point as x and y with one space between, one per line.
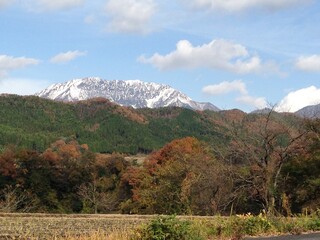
182 178
8 170
50 177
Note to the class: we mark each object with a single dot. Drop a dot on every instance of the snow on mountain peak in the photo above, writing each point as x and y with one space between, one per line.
135 93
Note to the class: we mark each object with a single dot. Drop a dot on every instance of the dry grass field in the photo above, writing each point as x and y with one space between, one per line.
123 227
33 226
52 226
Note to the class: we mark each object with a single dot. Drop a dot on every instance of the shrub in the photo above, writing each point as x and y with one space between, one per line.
167 228
250 225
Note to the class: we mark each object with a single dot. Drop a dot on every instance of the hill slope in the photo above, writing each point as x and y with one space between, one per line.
35 122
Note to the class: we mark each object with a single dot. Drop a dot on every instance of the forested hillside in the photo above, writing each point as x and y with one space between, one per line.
201 162
34 123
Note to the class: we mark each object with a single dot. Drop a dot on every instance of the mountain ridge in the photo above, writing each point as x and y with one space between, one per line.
312 111
134 93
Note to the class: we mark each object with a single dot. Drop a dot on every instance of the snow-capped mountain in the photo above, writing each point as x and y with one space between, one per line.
135 93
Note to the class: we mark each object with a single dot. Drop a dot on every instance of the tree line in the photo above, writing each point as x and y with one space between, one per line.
267 165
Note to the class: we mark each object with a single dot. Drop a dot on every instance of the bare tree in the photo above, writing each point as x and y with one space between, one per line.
265 144
14 200
96 195
89 194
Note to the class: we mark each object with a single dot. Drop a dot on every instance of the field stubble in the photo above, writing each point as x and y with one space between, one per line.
56 226
123 227
34 226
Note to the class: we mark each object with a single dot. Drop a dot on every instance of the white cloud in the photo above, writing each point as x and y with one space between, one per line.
8 63
309 63
67 56
301 98
5 3
243 5
22 86
54 5
257 102
218 54
237 86
130 16
226 87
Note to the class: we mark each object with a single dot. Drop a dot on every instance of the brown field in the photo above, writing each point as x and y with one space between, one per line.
52 226
122 227
60 226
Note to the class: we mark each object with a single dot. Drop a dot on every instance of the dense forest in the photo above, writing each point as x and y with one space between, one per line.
73 158
35 123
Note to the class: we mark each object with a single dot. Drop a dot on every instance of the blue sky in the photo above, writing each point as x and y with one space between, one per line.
244 54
